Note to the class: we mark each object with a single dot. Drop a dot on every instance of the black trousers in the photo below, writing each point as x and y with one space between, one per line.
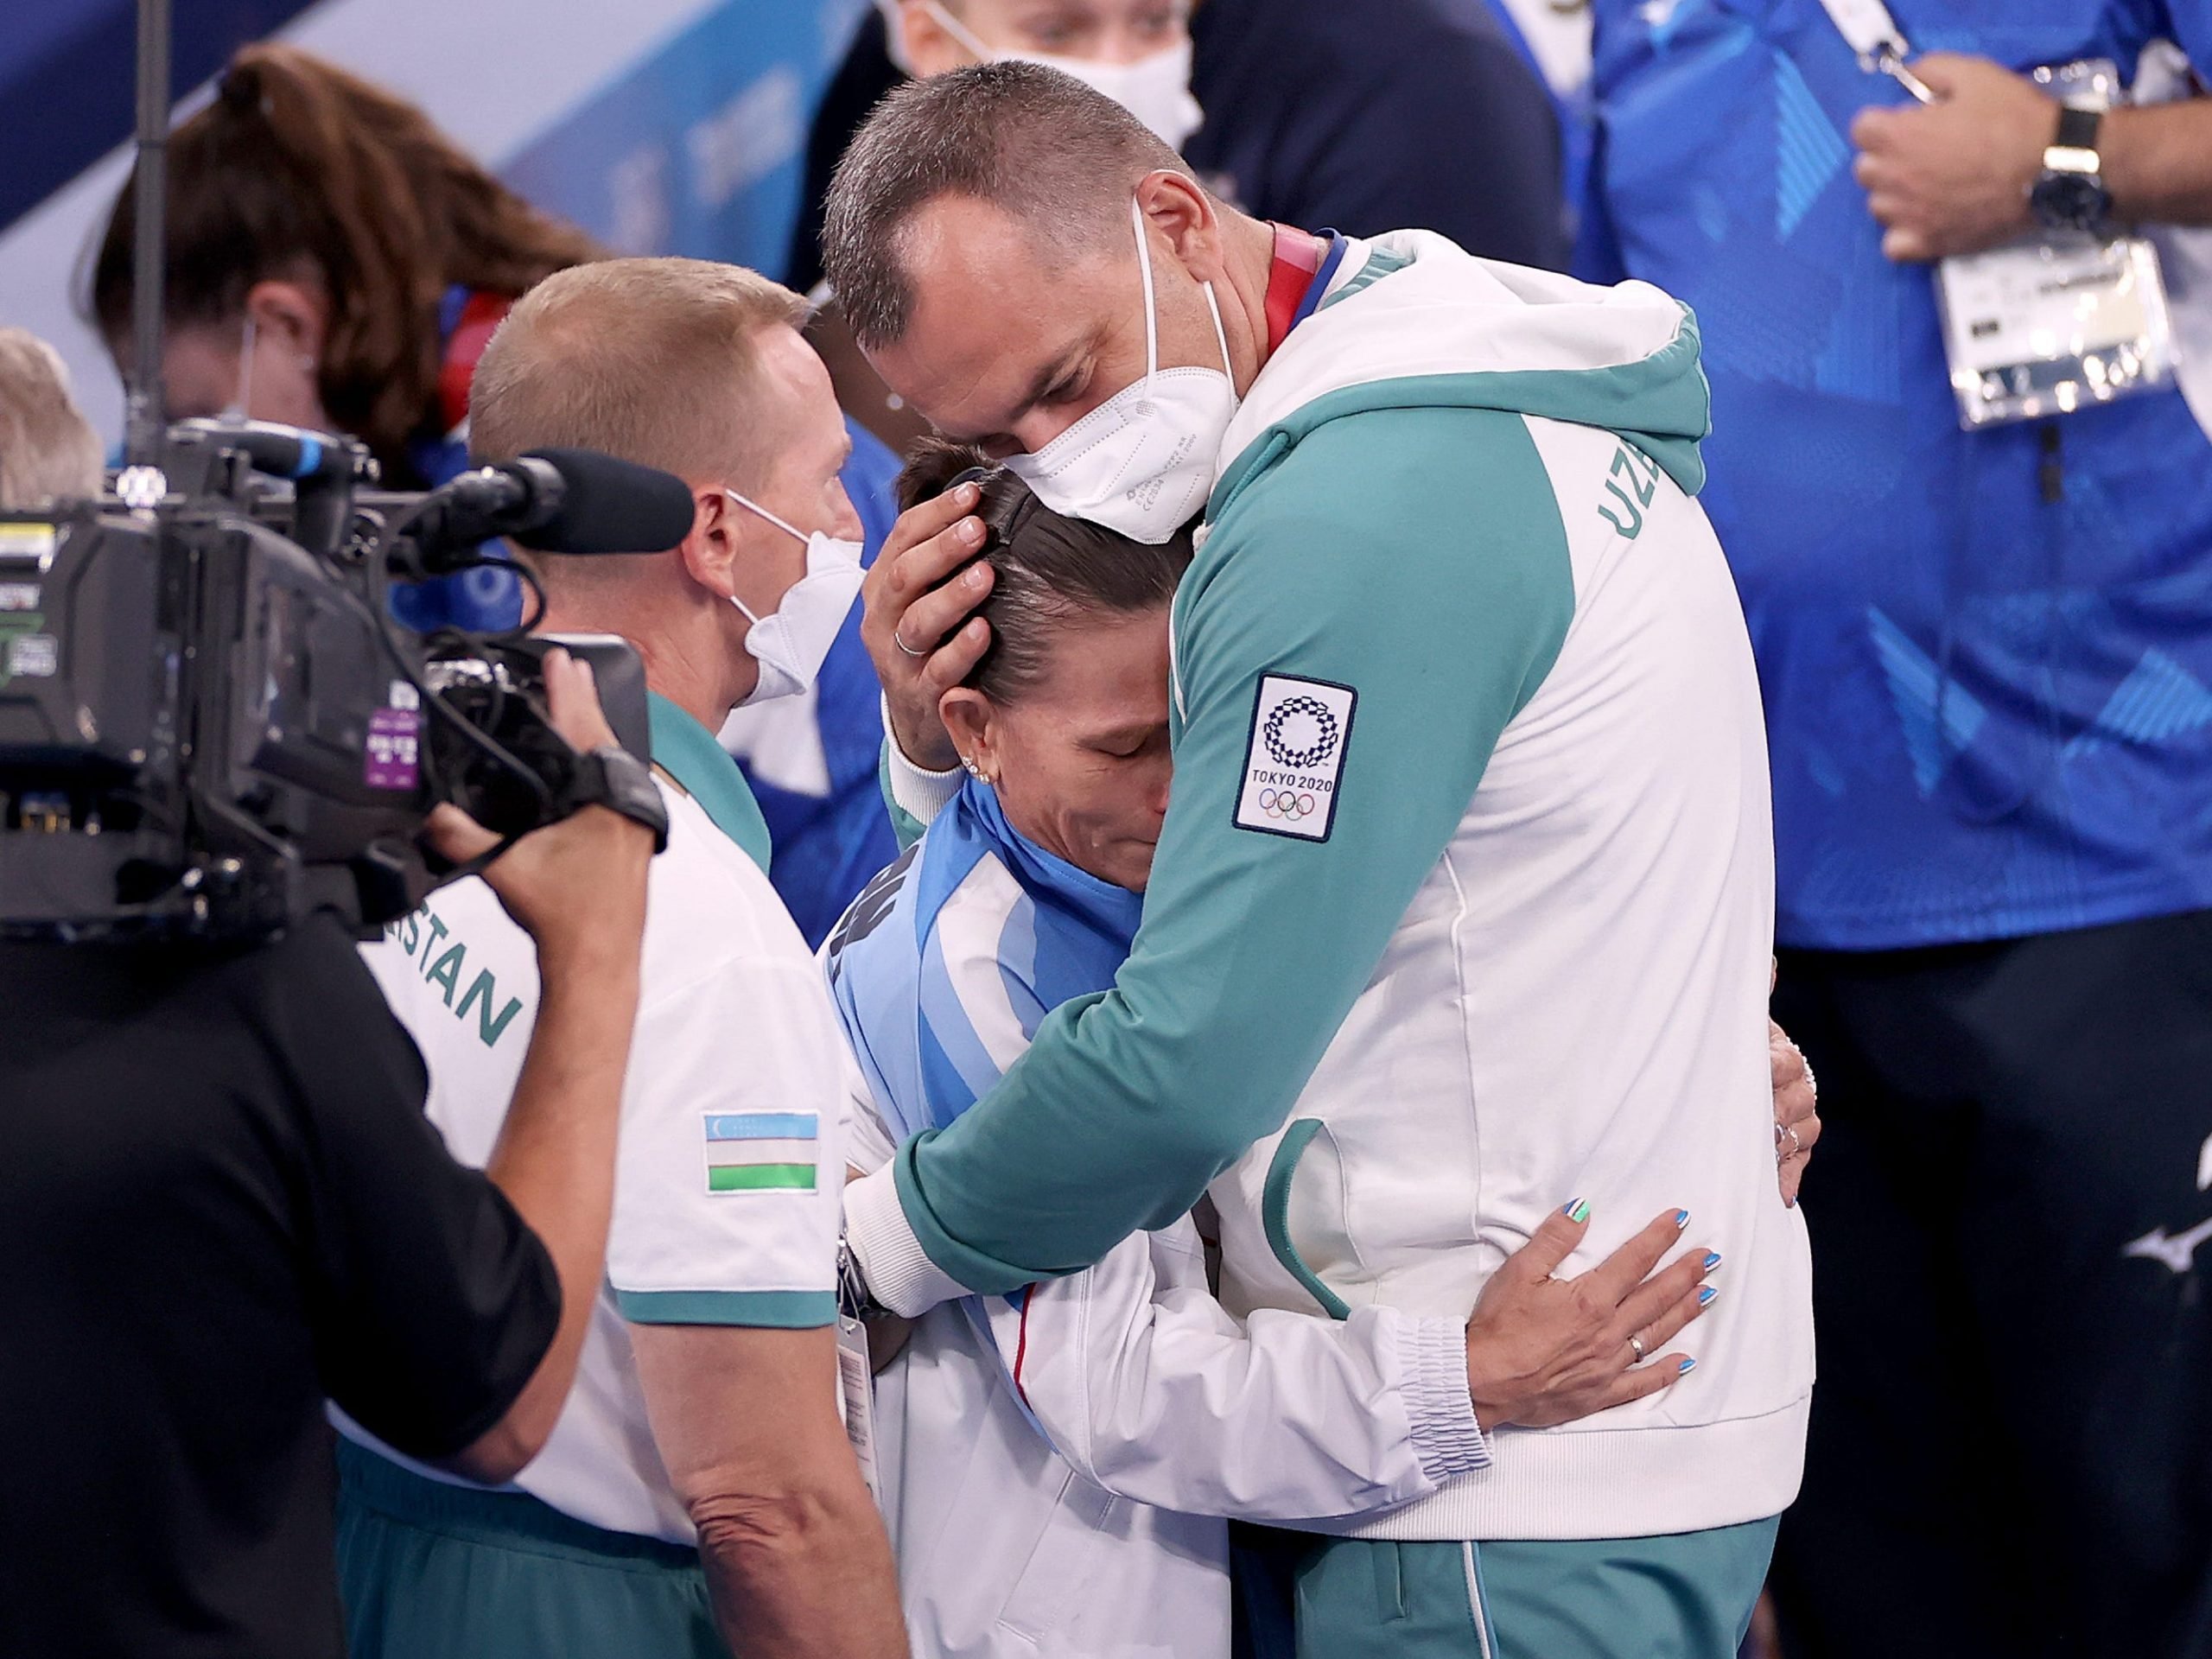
2011 1437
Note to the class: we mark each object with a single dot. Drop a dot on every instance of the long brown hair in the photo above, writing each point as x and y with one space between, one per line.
301 171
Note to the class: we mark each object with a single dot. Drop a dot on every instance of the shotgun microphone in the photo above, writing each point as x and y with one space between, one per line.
552 500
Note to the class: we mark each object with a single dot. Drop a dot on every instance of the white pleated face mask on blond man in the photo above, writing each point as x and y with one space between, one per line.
1156 90
1142 461
793 640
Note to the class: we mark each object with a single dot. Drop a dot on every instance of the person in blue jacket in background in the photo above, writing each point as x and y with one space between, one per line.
812 761
1987 660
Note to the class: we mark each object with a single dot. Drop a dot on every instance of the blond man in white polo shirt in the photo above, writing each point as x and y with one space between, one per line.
698 1495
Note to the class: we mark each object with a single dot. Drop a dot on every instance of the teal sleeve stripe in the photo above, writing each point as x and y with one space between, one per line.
1274 1215
1379 264
768 1310
903 824
1414 555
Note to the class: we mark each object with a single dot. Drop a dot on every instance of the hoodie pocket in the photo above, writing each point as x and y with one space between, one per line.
1304 1219
1062 1565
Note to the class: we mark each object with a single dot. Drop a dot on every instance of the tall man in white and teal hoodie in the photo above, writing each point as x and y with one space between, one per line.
1462 904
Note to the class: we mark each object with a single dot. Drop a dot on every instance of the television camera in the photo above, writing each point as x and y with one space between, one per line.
210 723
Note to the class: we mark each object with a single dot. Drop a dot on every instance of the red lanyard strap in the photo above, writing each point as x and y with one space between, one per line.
1298 259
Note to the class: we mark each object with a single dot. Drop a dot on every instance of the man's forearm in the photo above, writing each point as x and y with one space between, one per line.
745 1421
1955 176
806 1574
2158 162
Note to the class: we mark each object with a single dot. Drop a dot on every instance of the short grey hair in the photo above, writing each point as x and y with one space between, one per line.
48 451
1060 157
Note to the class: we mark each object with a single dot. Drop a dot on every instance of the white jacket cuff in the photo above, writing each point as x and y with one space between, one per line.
1432 1359
920 794
899 1274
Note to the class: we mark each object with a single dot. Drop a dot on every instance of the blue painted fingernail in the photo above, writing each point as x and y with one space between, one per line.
1711 1260
1686 1366
1579 1210
1706 1295
1682 1218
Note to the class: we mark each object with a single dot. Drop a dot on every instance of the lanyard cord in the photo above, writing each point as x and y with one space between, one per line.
1874 36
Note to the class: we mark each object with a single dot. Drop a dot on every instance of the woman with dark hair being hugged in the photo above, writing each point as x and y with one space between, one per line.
338 262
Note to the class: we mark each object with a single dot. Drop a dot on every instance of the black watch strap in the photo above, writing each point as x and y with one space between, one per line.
612 777
2077 128
855 1300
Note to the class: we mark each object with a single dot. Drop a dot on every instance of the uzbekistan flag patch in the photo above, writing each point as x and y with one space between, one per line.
761 1151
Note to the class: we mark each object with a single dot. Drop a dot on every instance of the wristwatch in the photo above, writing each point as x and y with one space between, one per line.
2070 195
611 776
855 1300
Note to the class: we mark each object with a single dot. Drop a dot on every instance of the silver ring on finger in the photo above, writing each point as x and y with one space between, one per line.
1636 1346
1796 1146
904 646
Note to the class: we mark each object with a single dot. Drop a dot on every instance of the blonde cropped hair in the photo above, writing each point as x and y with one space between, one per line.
48 451
651 360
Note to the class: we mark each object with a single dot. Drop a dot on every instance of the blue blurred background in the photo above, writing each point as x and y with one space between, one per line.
660 126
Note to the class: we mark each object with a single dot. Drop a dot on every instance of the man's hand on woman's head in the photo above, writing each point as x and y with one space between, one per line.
916 625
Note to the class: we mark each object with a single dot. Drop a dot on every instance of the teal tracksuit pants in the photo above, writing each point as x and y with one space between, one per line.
1686 1596
430 1571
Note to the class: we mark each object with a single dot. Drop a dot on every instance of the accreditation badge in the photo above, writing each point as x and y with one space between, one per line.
856 1399
2060 320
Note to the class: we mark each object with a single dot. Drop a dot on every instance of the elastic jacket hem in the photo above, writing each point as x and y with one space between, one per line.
1630 1483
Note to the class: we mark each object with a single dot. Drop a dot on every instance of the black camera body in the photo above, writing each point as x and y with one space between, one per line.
210 725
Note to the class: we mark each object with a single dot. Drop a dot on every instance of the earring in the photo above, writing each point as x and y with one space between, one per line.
975 771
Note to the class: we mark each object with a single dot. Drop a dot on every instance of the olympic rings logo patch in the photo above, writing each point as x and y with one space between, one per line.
1319 745
1294 757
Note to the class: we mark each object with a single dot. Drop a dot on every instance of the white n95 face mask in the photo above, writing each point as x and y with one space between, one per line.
1156 90
1143 462
791 641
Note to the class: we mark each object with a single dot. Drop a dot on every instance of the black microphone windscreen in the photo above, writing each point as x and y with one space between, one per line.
611 506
